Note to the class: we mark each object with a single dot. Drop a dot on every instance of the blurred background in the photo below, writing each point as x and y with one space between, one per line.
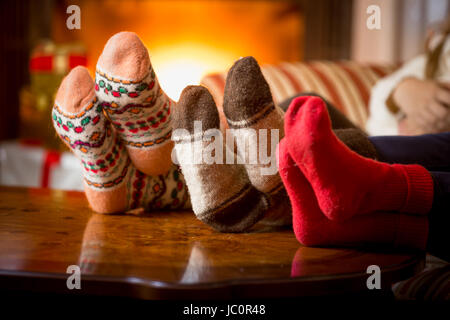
186 40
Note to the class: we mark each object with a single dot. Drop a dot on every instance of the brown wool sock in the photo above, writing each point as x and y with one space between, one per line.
357 141
338 119
250 110
221 194
352 136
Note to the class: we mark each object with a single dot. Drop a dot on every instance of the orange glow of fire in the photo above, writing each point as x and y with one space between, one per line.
184 64
189 39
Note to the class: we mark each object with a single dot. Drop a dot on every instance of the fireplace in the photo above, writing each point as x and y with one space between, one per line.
188 39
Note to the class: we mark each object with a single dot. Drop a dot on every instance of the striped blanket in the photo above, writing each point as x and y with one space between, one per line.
346 84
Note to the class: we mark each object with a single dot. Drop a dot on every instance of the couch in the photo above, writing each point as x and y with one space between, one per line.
345 84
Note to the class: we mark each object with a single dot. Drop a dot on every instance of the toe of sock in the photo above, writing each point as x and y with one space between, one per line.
293 114
246 90
76 90
306 115
125 56
196 104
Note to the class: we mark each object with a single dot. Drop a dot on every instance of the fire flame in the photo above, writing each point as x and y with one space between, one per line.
180 65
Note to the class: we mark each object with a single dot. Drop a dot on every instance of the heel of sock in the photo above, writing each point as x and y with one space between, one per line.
239 213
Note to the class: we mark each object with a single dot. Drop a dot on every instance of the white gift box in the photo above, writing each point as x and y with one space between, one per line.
33 166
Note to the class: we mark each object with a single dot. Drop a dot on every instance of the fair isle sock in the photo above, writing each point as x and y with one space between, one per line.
155 193
112 183
79 121
139 110
249 107
221 194
345 183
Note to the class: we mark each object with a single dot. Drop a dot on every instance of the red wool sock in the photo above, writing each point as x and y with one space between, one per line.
313 228
344 182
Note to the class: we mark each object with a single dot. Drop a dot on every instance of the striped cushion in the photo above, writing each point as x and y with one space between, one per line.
346 84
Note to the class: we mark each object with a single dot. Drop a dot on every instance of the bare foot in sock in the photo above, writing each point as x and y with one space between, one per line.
112 183
251 114
313 228
221 194
130 94
344 182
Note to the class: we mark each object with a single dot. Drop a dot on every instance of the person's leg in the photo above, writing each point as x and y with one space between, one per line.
346 131
439 217
345 183
313 228
430 150
338 119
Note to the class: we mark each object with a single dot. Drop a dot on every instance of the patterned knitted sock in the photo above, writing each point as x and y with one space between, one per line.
252 114
344 182
221 194
79 121
112 183
129 91
162 192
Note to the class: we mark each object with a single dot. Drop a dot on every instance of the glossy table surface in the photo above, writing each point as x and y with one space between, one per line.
168 254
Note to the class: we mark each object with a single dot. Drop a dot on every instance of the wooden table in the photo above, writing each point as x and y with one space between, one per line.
168 254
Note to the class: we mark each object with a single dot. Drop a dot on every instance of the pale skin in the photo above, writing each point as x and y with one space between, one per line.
426 104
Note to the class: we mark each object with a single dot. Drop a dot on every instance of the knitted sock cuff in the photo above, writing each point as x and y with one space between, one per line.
412 232
420 194
408 189
393 191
